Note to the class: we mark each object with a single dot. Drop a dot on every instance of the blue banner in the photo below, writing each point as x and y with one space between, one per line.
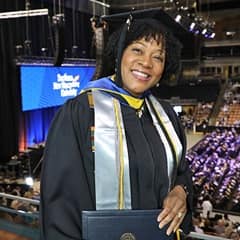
48 86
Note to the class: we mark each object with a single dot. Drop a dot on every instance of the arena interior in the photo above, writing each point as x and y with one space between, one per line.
43 34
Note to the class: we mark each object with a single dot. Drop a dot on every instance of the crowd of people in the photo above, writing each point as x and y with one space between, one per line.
18 205
215 164
229 114
197 116
218 225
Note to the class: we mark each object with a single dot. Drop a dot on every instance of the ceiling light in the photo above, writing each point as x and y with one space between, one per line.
204 31
29 181
26 13
192 25
178 18
212 35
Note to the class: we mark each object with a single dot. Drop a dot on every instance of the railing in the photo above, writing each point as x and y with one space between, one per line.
22 223
30 226
27 200
203 236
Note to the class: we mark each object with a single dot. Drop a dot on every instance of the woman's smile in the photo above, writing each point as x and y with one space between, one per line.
141 75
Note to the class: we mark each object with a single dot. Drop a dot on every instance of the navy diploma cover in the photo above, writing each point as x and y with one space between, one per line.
123 225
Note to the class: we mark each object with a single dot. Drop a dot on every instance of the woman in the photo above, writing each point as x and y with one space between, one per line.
115 146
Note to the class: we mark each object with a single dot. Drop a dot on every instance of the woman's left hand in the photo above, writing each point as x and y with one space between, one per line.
174 209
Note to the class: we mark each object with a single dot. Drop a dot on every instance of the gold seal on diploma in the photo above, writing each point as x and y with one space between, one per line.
127 236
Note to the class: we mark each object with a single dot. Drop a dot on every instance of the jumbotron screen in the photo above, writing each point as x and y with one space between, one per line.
48 86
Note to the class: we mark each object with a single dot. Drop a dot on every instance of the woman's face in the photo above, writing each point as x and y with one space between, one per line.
142 65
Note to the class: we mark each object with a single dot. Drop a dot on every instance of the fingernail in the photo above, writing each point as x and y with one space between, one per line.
168 232
160 225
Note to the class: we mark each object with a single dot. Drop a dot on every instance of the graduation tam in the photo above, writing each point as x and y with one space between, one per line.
114 20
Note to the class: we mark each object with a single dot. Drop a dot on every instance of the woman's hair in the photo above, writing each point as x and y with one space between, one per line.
143 28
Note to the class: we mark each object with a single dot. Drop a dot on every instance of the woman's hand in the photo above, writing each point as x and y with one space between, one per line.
174 209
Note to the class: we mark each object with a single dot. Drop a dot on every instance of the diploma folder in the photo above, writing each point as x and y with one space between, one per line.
123 225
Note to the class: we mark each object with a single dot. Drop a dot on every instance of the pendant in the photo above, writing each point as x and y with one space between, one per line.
139 112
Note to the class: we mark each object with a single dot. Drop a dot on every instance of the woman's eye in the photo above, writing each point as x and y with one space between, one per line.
159 58
137 50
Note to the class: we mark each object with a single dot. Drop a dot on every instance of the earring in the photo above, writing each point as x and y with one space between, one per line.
115 67
157 85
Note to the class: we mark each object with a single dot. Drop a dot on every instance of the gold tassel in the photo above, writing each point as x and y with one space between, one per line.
178 234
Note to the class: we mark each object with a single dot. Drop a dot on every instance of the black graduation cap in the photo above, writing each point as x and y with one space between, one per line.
115 20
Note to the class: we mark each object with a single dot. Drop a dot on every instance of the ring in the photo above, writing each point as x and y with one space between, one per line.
179 215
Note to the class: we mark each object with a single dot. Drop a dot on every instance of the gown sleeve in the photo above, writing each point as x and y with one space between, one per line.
183 175
66 188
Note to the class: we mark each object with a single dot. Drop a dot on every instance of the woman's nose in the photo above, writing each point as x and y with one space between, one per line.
146 61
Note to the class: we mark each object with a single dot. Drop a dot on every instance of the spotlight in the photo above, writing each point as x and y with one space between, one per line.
27 48
192 25
191 21
212 35
208 33
44 51
196 31
178 18
19 50
74 51
204 31
29 181
230 33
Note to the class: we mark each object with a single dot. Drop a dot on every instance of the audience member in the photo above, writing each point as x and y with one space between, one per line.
207 208
215 165
219 228
234 235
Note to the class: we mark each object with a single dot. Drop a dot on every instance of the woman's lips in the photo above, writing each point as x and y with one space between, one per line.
141 75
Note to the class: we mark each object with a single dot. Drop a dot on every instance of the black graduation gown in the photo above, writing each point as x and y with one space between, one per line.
67 180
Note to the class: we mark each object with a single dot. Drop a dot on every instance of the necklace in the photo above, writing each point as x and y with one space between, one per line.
139 111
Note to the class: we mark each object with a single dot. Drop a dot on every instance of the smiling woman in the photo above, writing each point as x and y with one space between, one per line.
116 146
142 66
